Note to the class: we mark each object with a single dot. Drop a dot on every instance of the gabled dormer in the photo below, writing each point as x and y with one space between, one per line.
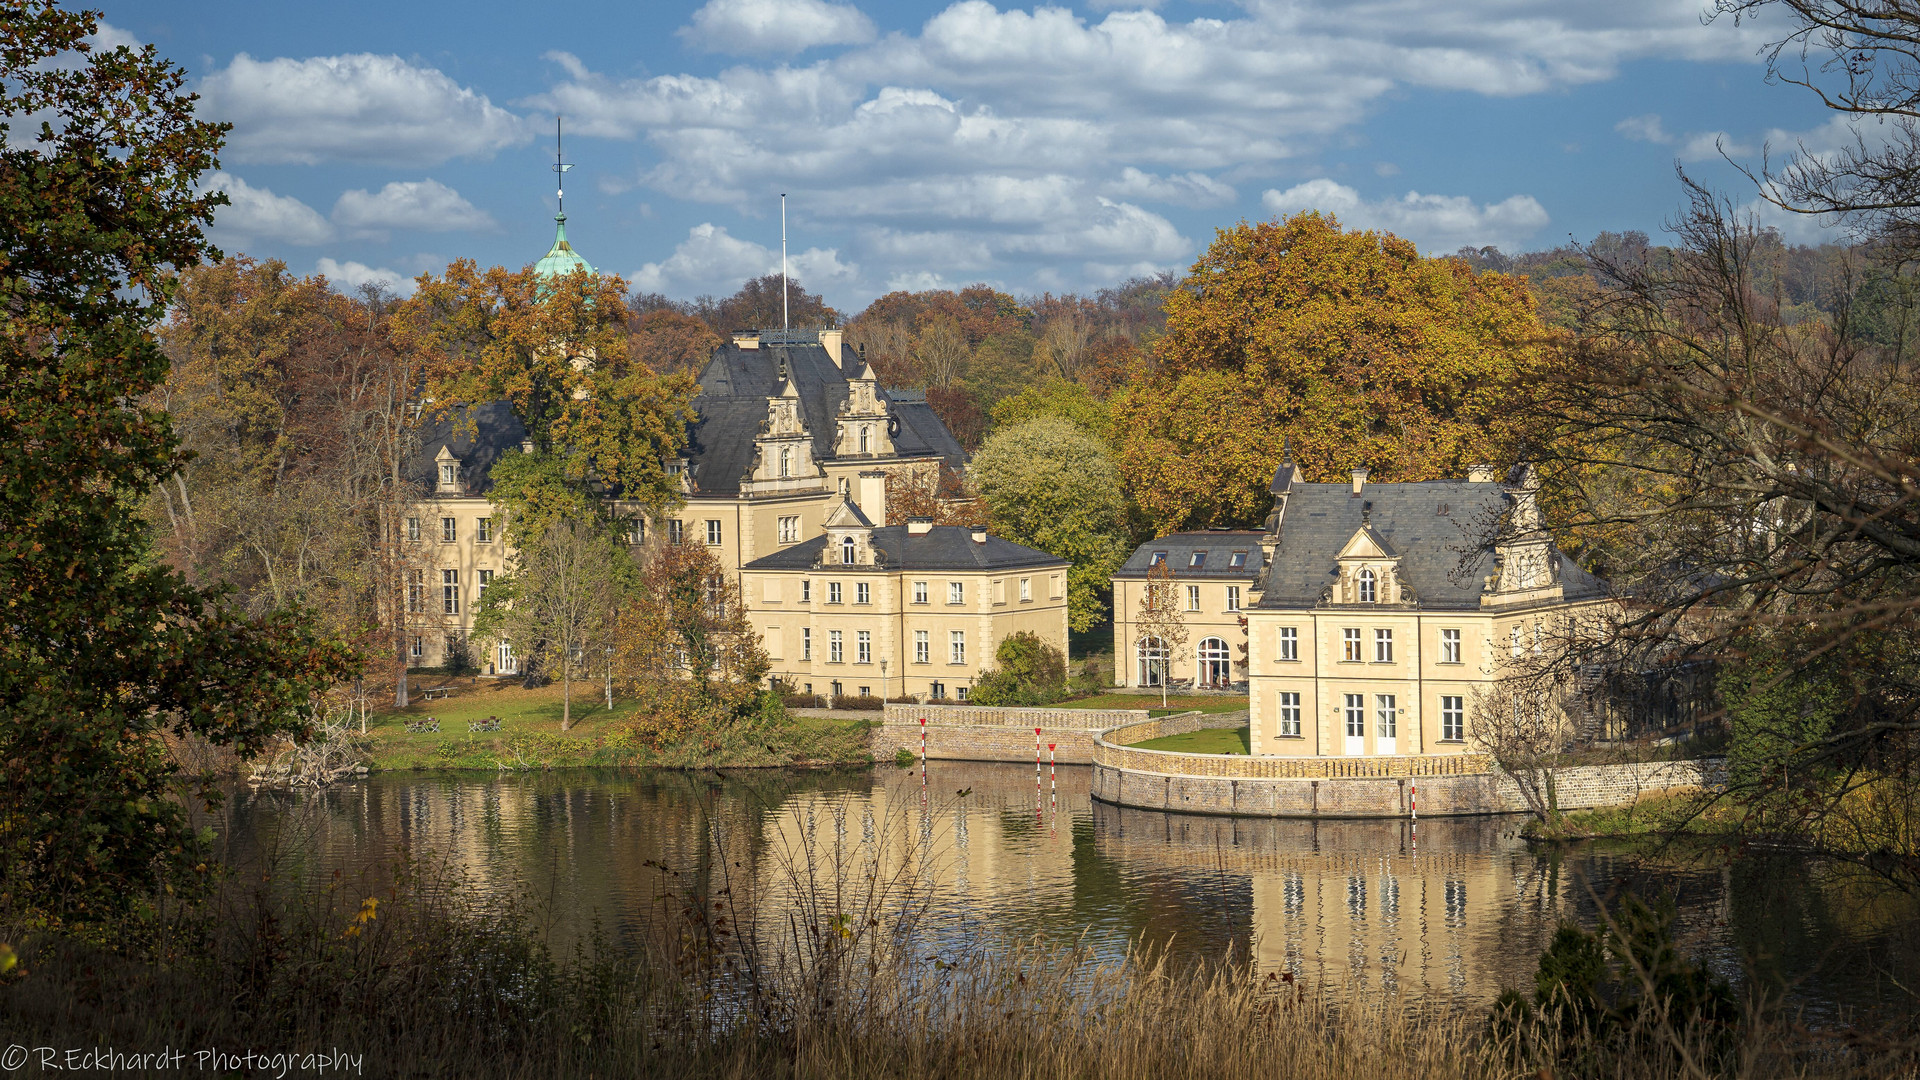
446 469
1529 567
864 427
849 537
783 448
1368 570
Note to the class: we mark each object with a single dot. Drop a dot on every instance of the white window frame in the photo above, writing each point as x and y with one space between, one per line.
1382 645
416 592
1453 718
1350 645
956 647
485 579
450 592
922 647
1386 716
863 646
956 592
1356 716
1193 598
1450 651
1289 643
483 530
789 529
1367 587
806 590
836 647
676 531
846 550
1289 714
1233 598
715 535
1026 590
417 648
1150 660
449 530
833 592
806 643
862 592
413 530
919 592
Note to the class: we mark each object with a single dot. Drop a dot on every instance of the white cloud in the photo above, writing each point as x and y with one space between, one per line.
108 36
358 107
1644 129
1184 189
255 214
351 275
712 260
1437 223
750 27
426 205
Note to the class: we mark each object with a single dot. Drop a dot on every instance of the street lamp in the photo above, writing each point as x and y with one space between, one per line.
883 682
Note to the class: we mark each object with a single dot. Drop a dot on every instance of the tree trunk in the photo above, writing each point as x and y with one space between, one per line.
566 697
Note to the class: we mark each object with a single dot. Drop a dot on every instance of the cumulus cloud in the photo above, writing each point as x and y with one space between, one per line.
1436 223
1184 189
711 259
350 275
1644 129
255 215
750 27
359 107
426 205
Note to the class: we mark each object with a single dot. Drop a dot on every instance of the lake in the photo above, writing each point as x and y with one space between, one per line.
1453 909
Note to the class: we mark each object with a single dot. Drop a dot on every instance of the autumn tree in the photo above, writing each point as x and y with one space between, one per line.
1056 397
937 492
686 647
667 341
555 605
1348 345
1161 625
107 649
757 306
1050 485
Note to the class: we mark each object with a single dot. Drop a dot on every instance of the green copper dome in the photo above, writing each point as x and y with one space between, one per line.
561 258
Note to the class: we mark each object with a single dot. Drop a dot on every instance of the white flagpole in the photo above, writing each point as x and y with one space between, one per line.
785 321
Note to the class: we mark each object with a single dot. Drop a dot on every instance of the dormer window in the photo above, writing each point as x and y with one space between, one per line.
1197 560
846 550
447 471
864 430
786 462
1368 593
1158 558
1237 560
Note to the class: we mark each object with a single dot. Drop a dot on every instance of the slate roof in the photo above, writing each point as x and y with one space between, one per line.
494 431
1321 518
1219 546
944 547
735 385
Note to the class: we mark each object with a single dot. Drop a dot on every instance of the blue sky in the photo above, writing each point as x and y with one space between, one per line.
923 145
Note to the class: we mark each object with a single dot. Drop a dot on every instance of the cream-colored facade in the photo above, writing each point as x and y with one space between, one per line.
1214 579
912 609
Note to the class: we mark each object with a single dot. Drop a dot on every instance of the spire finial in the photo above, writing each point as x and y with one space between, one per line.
560 167
1286 450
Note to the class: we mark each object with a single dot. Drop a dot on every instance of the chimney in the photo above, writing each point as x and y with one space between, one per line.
919 526
1359 480
746 339
872 499
979 534
830 341
1479 474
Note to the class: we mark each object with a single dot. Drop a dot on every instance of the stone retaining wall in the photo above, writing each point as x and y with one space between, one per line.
1444 785
983 733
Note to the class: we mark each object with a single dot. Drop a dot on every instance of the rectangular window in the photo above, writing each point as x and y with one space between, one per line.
1238 560
1290 715
1350 645
789 529
938 691
413 529
450 591
833 592
448 532
922 648
416 591
1197 560
962 693
1233 598
1453 718
676 531
956 593
1289 643
1449 646
486 579
1026 590
713 533
1515 636
957 647
483 530
1356 715
806 643
1193 598
919 592
1386 716
446 473
863 647
806 590
862 593
417 648
833 647
1158 558
1383 646
636 530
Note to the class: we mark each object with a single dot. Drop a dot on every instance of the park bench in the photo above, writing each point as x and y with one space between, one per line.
491 723
436 692
416 727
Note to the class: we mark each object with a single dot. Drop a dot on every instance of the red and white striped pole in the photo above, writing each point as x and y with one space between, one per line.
1053 779
923 746
1413 802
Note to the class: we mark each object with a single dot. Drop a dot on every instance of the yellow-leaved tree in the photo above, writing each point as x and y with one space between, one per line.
1349 345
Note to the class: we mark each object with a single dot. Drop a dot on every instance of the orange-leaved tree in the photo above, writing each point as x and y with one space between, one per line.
685 648
1349 345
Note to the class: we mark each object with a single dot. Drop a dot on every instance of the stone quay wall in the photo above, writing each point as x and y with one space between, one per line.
1443 785
984 733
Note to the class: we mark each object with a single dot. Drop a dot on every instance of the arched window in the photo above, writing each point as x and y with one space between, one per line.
846 549
864 429
1151 654
1368 595
786 461
1216 668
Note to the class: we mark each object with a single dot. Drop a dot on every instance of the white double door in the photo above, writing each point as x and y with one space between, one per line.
1383 712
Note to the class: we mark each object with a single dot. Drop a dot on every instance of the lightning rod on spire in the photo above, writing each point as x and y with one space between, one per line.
560 167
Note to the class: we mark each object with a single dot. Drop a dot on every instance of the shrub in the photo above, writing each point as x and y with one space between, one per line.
794 700
858 701
1026 671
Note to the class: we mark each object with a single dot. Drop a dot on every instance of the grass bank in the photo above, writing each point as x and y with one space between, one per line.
1204 741
530 735
1656 816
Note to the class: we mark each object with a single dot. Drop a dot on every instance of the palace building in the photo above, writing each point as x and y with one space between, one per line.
789 454
1374 613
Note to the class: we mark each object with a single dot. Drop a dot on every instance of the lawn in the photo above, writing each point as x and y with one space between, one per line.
534 716
1206 703
1204 741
